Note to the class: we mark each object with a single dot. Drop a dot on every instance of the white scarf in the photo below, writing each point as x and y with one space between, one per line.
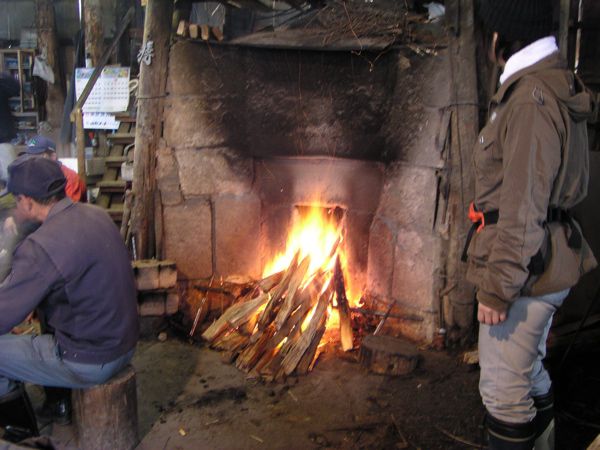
528 56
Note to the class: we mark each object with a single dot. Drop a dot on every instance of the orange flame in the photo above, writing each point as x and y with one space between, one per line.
315 234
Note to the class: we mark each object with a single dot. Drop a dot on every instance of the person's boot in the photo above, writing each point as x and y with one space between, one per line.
56 407
17 416
544 421
509 436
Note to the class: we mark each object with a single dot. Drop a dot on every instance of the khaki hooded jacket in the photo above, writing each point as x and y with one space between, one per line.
531 155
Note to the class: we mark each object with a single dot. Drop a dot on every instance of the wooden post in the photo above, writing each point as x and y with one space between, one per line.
48 45
151 90
464 128
80 141
563 27
94 32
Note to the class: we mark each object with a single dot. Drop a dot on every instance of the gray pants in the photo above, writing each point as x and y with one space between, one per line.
35 359
510 357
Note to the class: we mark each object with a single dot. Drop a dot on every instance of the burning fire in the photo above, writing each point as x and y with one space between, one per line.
317 234
279 327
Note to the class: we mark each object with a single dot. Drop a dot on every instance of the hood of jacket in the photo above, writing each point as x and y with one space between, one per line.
567 88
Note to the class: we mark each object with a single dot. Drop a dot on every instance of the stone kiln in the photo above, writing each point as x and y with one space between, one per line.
253 135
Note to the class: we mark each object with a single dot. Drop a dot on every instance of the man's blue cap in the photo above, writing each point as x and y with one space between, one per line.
40 144
35 177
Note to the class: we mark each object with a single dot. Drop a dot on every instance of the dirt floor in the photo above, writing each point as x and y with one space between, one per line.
189 399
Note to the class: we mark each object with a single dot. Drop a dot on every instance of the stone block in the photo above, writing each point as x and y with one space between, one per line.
172 303
417 263
214 171
152 303
195 121
197 69
380 267
409 197
237 232
146 274
188 238
167 176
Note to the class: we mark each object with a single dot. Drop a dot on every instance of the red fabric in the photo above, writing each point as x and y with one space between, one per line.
75 189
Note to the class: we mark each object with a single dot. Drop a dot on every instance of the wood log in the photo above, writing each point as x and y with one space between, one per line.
278 292
230 342
288 303
295 353
182 28
346 334
306 362
252 353
204 32
194 31
387 355
234 316
268 283
105 416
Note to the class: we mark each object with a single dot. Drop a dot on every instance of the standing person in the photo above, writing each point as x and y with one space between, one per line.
75 269
76 189
9 87
531 166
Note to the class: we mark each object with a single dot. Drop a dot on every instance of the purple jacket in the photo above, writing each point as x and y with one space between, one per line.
76 270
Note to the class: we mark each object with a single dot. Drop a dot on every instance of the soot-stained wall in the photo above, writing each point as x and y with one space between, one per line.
231 113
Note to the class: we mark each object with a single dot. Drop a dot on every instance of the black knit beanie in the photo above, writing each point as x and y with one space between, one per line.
517 20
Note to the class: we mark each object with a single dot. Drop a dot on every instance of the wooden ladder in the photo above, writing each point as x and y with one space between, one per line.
112 187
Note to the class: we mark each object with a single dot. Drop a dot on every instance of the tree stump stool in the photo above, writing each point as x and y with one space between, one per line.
105 416
387 355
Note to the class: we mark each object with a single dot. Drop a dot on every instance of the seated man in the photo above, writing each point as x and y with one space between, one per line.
42 146
76 271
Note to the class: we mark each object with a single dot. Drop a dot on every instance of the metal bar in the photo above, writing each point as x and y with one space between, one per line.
98 70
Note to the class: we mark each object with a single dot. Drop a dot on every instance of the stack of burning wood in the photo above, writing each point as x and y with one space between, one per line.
276 329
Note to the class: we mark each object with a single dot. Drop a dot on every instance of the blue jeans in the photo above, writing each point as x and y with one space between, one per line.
36 359
510 357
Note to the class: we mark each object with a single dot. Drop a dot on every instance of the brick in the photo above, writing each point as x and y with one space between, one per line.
214 171
237 231
187 238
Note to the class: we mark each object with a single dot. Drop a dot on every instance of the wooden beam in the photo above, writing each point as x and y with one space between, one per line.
563 27
151 90
94 31
48 44
464 122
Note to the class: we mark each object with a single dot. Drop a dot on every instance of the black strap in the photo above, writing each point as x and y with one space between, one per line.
537 264
489 218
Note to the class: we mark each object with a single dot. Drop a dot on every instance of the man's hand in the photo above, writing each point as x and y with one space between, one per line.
490 316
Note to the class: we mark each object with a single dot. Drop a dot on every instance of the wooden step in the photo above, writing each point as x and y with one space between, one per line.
112 186
121 138
114 161
116 213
